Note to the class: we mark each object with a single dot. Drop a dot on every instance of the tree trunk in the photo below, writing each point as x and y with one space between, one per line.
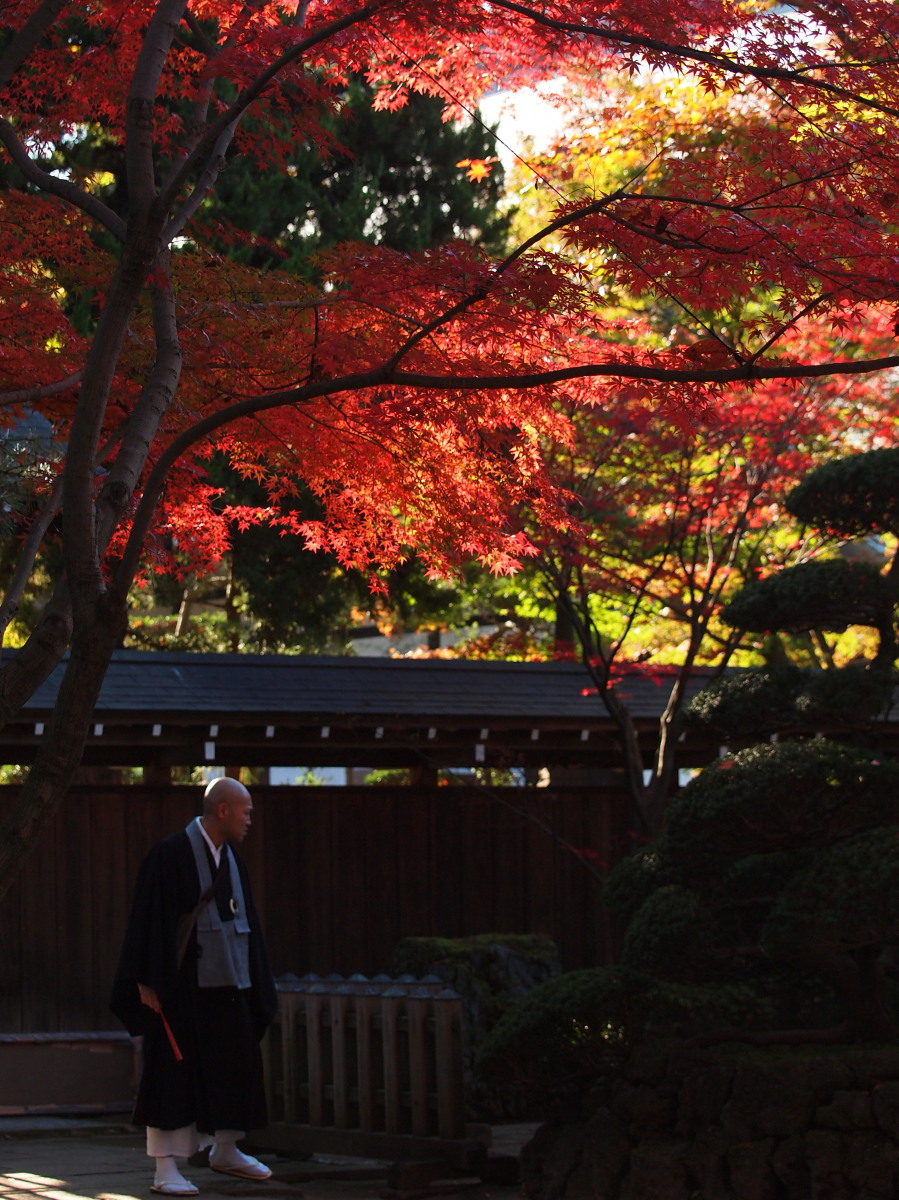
61 749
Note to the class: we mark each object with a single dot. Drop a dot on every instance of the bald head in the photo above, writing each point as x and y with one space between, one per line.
224 790
227 809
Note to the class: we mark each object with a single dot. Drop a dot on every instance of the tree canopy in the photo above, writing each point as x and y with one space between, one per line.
413 394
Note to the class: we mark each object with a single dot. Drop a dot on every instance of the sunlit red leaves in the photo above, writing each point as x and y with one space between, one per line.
754 208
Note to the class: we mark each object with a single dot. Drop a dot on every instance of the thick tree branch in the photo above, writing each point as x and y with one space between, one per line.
143 422
41 391
24 40
140 118
54 186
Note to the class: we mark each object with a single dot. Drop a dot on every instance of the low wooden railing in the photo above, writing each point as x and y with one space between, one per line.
367 1066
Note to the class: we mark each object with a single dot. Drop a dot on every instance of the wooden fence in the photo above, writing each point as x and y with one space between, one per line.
366 1067
340 875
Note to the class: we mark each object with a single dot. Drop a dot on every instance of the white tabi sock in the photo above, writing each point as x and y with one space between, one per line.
167 1172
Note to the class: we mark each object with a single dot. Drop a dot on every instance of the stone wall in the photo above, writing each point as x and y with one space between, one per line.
733 1123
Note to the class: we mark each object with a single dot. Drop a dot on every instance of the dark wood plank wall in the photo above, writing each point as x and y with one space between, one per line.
340 875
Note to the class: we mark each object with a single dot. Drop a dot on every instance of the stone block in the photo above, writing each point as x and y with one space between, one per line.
790 1166
700 1100
604 1161
847 1110
549 1158
657 1171
767 1101
824 1159
646 1109
706 1163
750 1172
870 1164
885 1103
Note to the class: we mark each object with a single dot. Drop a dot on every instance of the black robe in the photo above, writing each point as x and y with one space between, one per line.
218 1084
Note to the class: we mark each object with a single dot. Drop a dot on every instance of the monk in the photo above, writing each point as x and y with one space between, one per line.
194 981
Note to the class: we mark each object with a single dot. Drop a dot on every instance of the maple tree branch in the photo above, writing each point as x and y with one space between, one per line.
783 326
386 374
41 391
232 116
139 112
709 58
65 189
24 40
214 166
482 291
154 401
743 373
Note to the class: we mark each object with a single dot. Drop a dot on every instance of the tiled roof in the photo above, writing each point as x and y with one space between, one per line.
167 682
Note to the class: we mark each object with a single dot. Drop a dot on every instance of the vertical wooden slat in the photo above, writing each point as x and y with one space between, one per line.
538 900
352 910
44 969
476 863
11 1014
111 885
449 1068
390 1019
291 1082
319 875
383 831
74 900
339 1012
445 853
417 1012
315 1005
509 881
411 851
366 1082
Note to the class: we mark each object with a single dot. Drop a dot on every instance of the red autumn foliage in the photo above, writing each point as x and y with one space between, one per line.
414 395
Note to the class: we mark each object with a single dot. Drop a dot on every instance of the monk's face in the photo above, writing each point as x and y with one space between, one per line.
236 818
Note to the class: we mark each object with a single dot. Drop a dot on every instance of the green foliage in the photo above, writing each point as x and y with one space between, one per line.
389 777
772 699
775 882
392 179
821 594
670 933
785 796
633 880
846 896
564 1034
852 496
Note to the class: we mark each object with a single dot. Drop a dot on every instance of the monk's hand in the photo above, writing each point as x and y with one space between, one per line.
149 997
